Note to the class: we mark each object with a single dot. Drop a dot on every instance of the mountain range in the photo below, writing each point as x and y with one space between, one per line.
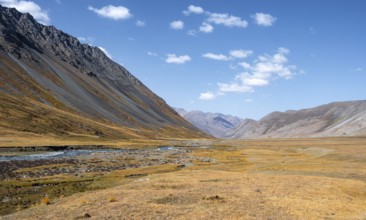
215 124
334 119
51 84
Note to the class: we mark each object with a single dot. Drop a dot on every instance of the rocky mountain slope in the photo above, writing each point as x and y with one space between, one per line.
215 124
334 119
51 84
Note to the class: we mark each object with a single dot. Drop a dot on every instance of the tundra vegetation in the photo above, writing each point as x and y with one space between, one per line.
320 178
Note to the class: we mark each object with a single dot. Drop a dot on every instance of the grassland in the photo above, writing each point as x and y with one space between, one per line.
254 179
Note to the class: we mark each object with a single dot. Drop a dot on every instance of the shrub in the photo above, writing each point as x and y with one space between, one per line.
112 199
45 201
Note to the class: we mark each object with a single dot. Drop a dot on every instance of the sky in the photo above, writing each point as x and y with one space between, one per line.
246 58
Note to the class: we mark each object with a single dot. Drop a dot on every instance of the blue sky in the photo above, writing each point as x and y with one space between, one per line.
245 58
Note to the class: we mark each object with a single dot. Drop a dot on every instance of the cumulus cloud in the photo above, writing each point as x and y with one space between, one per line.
28 7
140 23
112 12
240 53
206 28
105 52
261 72
249 80
262 19
233 54
207 96
172 58
227 20
193 10
213 56
177 25
234 87
245 65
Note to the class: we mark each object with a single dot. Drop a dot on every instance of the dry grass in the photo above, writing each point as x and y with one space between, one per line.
45 201
112 199
24 119
257 179
9 138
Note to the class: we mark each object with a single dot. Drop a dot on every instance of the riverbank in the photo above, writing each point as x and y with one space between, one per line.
30 174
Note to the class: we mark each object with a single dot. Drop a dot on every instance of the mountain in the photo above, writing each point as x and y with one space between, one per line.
334 119
215 124
51 84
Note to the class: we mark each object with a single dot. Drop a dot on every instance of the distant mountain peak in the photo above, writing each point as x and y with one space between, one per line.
224 122
215 124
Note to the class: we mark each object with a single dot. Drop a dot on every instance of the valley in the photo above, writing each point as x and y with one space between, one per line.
82 137
220 179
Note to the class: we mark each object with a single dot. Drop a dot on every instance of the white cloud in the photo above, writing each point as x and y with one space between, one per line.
193 10
153 54
207 96
82 39
88 40
232 55
112 12
28 7
177 25
245 65
261 72
234 87
206 28
105 52
262 19
241 53
227 20
216 56
192 33
252 81
172 58
140 23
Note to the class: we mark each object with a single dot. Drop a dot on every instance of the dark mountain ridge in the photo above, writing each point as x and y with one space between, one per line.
46 69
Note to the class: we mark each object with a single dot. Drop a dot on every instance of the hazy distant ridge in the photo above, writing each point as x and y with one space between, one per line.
215 124
334 119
